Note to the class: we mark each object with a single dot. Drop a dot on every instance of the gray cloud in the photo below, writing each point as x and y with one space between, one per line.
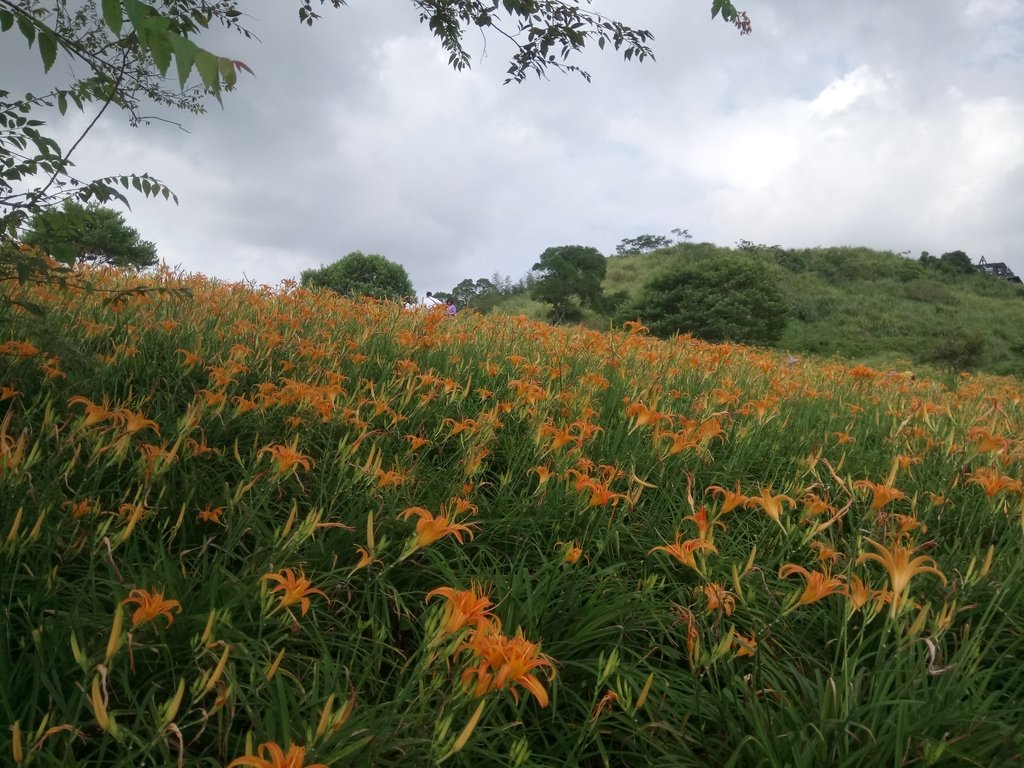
893 126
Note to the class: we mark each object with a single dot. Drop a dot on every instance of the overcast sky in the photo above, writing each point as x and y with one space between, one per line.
898 126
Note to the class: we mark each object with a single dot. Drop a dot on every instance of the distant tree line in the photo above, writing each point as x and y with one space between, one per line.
751 293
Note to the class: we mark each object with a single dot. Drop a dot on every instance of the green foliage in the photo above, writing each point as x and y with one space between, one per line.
92 234
567 272
480 294
929 291
359 274
957 349
732 298
951 262
641 244
958 261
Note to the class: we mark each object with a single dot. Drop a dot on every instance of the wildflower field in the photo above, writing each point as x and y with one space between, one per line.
255 527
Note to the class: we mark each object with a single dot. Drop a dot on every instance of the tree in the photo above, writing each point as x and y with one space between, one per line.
642 244
951 262
958 261
358 275
92 234
724 298
569 271
470 293
118 53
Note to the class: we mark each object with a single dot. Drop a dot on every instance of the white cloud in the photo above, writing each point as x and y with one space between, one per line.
841 94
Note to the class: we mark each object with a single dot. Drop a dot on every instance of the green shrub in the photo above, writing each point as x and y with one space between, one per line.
725 298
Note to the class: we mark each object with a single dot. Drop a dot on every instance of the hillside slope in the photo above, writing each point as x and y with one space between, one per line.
860 304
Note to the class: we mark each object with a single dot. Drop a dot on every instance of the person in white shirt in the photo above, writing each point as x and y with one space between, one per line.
430 301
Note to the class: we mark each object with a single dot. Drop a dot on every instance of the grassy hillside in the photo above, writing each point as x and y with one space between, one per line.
862 305
277 528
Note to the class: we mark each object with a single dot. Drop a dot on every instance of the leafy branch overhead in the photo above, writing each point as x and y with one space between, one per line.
545 33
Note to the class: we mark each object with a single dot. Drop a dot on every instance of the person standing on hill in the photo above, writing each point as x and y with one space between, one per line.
450 309
430 301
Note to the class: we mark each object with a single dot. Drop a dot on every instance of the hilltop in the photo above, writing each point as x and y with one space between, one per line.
855 303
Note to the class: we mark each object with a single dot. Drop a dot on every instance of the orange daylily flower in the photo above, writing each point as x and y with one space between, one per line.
80 509
705 527
745 646
990 481
559 437
134 422
211 514
51 369
601 495
984 441
151 605
191 359
719 599
859 593
286 457
826 554
571 551
643 416
503 661
683 551
366 558
905 461
814 505
18 349
543 475
389 478
819 584
430 527
94 413
416 442
276 757
474 460
465 608
294 589
901 567
681 441
881 494
730 499
773 506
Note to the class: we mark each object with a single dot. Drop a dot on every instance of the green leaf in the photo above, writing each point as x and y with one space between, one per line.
160 49
62 102
112 16
137 12
6 20
206 65
184 56
47 48
227 72
28 29
725 7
